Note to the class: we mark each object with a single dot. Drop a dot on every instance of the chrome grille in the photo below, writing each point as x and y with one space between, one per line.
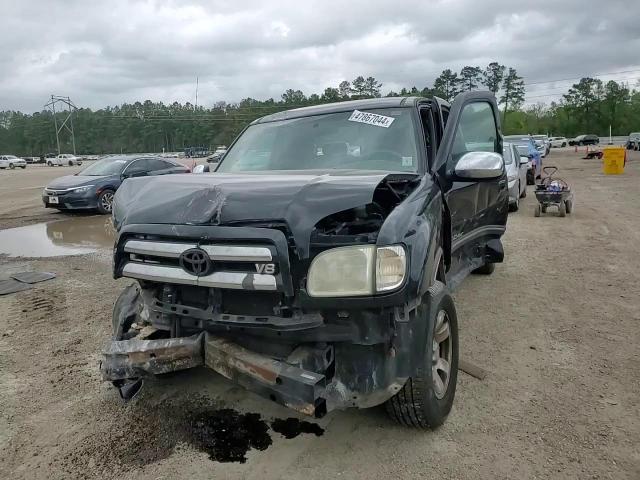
156 261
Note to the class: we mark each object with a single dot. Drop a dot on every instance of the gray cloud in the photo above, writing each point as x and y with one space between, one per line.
107 53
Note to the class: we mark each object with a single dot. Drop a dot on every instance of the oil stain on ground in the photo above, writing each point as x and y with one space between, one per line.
141 433
227 435
292 427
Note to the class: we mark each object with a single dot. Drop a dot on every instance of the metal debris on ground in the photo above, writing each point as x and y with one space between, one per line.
12 286
33 277
473 370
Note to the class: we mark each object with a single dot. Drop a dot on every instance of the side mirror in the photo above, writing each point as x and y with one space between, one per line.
479 165
201 168
524 160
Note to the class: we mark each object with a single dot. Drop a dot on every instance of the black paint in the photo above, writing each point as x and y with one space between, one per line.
292 427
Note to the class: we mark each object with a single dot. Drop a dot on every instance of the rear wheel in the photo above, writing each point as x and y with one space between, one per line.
515 205
426 398
105 201
569 206
537 210
524 192
562 209
564 144
70 163
50 164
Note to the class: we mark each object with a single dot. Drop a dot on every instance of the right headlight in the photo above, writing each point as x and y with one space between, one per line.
356 271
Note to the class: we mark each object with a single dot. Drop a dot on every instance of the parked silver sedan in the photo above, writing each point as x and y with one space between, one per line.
516 167
11 161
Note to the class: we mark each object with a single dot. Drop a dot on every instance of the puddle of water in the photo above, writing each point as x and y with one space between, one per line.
72 236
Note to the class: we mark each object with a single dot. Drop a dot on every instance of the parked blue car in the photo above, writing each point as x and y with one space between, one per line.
93 188
527 148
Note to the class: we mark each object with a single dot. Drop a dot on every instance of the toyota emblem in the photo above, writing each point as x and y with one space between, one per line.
195 261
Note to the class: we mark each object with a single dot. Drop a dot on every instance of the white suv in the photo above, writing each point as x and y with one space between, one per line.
64 159
558 141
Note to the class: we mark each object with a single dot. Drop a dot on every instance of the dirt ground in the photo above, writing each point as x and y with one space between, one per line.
556 327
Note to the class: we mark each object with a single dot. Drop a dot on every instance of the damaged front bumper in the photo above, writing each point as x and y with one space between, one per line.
126 361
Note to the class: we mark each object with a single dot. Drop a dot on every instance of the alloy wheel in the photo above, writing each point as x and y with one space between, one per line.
107 201
442 354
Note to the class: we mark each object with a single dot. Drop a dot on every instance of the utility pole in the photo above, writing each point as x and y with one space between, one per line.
196 93
68 121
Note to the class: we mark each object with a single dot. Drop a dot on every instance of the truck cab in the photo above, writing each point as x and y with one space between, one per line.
315 266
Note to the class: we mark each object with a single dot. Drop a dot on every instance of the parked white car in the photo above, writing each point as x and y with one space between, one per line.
516 167
558 142
64 159
11 161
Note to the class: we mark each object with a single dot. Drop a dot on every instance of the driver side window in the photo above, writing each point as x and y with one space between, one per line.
477 130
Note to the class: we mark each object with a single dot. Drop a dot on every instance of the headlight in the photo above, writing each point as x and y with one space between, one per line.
356 270
86 188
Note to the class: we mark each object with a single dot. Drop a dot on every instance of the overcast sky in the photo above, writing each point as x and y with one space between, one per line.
110 52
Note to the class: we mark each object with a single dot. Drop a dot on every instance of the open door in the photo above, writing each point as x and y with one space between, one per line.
474 188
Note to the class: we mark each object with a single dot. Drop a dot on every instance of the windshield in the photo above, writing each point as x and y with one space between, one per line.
523 150
381 139
107 166
10 157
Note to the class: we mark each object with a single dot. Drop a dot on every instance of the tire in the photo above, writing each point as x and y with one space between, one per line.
524 192
537 210
530 178
486 269
105 201
424 402
50 164
70 163
12 166
569 206
562 209
515 206
564 144
580 144
543 208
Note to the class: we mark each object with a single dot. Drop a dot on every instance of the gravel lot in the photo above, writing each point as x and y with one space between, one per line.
556 327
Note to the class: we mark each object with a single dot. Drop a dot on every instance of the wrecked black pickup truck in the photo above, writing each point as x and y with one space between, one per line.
315 266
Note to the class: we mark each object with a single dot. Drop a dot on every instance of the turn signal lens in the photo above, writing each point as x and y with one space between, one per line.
391 267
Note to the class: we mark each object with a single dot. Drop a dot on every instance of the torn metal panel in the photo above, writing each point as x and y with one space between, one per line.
298 389
124 359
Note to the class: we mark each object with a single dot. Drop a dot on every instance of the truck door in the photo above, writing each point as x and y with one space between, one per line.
477 207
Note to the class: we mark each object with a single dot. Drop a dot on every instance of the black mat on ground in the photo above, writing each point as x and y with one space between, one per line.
12 286
33 277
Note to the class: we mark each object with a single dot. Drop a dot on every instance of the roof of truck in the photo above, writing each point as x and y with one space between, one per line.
365 104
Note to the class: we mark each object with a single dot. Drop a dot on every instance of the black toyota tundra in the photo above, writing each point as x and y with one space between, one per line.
315 266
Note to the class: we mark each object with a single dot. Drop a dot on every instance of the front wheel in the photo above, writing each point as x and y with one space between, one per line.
50 164
12 166
564 144
562 209
426 398
537 211
23 167
105 201
70 163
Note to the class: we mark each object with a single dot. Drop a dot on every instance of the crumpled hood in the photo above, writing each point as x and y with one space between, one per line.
69 181
299 199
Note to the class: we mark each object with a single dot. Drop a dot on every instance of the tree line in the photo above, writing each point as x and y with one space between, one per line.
589 106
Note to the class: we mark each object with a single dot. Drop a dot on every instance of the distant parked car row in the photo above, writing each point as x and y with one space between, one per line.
527 148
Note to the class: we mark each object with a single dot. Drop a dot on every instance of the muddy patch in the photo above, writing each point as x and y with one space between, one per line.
73 236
